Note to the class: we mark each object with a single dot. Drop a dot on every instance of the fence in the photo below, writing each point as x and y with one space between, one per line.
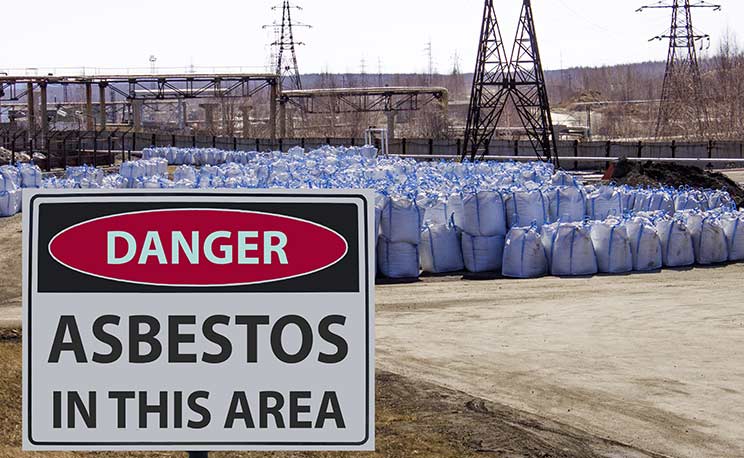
100 148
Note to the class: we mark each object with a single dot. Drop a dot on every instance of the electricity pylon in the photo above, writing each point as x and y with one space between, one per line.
682 99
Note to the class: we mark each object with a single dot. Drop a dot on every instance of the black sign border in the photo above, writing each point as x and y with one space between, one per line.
198 445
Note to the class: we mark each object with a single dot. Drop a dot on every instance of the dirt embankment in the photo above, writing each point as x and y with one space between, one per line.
668 174
414 419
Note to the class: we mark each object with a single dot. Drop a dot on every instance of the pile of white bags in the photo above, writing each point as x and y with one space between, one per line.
85 174
569 249
524 254
136 171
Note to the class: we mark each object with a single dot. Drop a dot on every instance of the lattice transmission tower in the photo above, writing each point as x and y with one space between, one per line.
682 99
503 80
285 46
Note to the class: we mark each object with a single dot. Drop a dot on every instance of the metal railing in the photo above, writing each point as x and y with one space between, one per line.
106 147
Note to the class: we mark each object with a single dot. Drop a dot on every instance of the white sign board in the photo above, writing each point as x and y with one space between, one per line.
198 321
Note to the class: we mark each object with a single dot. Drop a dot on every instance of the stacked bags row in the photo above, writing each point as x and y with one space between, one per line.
213 156
636 243
13 178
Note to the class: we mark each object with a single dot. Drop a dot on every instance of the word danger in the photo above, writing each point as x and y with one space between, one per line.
219 247
142 339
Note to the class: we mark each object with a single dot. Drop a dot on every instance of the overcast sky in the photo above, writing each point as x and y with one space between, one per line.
390 35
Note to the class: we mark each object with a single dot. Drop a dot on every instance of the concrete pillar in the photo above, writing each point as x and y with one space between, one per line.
137 115
44 117
444 102
30 113
209 115
89 106
182 115
102 106
272 109
246 111
390 124
282 119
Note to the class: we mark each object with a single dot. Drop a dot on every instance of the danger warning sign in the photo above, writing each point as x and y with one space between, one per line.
198 321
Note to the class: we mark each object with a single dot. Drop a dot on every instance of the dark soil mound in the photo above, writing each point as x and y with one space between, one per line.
669 174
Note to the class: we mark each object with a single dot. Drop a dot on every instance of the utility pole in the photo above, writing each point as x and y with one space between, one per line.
682 98
500 79
286 66
430 60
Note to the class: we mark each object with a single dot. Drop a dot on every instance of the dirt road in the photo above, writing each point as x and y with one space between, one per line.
651 360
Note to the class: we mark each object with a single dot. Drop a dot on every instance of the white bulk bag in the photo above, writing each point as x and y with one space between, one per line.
569 249
381 202
456 209
185 172
567 204
10 202
31 176
483 214
437 212
561 178
440 249
721 199
733 227
526 207
628 197
524 255
676 242
660 201
612 246
482 254
603 203
401 221
708 239
645 245
690 200
11 178
397 260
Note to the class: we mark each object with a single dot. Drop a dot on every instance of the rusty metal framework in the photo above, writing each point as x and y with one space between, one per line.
365 100
136 90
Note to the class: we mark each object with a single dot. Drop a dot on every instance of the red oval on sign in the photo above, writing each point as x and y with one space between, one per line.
198 247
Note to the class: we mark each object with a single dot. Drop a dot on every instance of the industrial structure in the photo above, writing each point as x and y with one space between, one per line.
387 100
499 80
682 102
285 46
137 92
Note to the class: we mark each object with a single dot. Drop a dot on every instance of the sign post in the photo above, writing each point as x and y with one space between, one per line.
198 321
